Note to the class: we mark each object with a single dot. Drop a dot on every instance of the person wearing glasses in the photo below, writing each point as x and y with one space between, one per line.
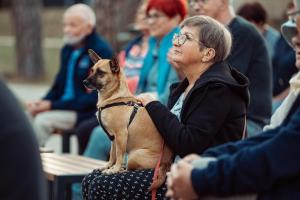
206 109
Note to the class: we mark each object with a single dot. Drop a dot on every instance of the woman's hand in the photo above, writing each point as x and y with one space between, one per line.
146 98
179 182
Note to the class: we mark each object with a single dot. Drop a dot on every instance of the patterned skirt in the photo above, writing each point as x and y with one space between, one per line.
126 185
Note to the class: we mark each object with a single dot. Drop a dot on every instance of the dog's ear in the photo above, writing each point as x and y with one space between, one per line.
94 56
114 65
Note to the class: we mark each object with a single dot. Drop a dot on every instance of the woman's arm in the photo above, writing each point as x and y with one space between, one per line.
203 123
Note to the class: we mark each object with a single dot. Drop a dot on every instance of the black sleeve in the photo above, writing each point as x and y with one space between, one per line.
197 133
21 170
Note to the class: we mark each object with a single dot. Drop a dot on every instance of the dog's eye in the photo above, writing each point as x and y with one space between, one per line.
100 73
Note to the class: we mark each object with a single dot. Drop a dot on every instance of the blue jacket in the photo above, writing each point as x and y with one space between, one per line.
84 102
166 74
267 165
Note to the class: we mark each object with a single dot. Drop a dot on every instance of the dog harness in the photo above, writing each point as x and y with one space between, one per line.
133 113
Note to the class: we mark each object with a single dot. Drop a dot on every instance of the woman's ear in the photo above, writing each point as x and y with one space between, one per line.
209 54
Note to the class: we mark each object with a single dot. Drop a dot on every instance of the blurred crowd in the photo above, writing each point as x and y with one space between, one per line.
221 86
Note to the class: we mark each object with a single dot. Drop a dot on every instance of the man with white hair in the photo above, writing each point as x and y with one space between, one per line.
265 165
68 102
248 55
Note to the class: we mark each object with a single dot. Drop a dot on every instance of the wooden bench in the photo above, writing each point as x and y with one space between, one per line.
62 170
46 150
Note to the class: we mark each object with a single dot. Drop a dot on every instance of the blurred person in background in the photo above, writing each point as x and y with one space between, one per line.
283 65
249 55
21 171
255 13
68 102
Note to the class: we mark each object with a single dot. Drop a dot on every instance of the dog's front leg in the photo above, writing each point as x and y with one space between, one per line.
112 157
120 145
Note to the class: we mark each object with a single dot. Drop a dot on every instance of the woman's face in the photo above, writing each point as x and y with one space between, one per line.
160 24
186 47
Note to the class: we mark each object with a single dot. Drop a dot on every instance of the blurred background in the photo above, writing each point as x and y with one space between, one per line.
31 33
31 36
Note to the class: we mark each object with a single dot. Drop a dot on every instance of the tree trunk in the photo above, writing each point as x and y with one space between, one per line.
113 17
26 17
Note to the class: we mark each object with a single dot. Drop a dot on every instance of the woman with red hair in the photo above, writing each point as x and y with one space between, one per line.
157 74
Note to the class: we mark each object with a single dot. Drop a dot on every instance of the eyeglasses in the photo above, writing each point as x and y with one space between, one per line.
154 16
180 39
193 2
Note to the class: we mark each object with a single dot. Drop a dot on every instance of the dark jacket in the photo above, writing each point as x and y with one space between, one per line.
266 164
84 102
283 66
212 113
249 56
21 170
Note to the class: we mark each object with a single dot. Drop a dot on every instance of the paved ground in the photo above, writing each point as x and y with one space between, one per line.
27 92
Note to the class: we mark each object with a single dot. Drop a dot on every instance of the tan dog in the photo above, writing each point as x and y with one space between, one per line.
140 138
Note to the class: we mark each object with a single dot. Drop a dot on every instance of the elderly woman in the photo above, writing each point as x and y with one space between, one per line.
206 109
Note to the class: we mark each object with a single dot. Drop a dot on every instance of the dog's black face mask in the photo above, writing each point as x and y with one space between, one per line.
93 81
88 83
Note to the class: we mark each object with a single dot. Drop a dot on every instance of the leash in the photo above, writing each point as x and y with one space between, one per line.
133 113
156 170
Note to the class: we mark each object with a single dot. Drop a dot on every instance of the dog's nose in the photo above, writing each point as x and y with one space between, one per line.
85 82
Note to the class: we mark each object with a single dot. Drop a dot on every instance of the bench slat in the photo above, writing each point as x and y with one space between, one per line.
66 164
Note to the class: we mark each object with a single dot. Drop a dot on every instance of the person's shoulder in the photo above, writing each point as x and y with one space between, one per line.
242 27
100 45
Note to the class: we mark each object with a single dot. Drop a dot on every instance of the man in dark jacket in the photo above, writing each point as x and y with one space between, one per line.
265 165
68 101
248 55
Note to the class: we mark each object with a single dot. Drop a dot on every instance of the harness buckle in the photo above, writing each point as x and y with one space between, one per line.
136 106
130 103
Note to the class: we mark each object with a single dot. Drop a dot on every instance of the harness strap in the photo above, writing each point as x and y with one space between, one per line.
111 137
133 113
156 170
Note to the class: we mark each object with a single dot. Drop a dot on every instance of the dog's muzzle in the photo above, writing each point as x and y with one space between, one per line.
88 84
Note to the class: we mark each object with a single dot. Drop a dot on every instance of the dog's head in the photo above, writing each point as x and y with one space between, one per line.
103 74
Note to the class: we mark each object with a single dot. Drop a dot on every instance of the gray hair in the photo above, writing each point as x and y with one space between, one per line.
212 34
84 11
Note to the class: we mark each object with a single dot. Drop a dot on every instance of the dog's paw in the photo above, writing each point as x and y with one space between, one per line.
105 167
114 169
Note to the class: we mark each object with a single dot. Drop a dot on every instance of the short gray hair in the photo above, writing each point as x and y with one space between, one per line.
212 34
84 11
